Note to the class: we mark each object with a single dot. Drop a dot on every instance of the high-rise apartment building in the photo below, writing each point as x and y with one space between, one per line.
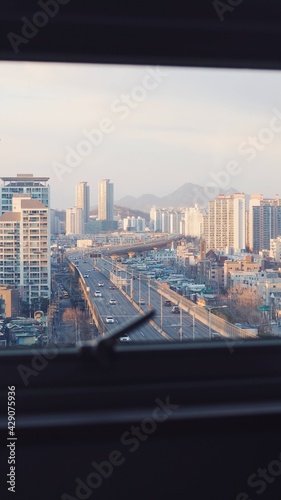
136 224
193 222
55 223
266 226
35 187
255 201
155 218
225 224
24 248
175 226
239 221
105 201
264 221
82 199
167 220
74 221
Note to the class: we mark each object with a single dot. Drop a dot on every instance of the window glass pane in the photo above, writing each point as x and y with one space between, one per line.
139 188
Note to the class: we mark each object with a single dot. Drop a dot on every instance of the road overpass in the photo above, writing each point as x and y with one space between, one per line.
139 247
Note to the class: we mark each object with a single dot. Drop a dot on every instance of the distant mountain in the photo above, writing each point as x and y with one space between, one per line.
185 196
125 212
129 212
144 202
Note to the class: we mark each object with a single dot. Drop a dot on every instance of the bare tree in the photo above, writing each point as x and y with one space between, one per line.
78 318
243 305
70 315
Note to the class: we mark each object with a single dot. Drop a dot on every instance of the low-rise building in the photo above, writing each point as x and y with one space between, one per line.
248 264
244 279
11 299
275 249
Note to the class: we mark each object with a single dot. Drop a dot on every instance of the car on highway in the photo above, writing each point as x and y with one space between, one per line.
141 302
86 276
112 287
175 310
100 283
109 319
112 302
216 336
125 338
97 293
167 303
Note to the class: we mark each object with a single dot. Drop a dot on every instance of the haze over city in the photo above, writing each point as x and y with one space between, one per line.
163 127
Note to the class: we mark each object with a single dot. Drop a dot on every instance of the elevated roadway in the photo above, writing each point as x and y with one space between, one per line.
122 311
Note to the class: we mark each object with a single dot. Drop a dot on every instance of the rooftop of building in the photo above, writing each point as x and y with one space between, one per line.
24 178
7 287
32 203
10 217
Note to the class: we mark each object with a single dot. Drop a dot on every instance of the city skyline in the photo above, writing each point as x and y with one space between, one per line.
155 128
39 188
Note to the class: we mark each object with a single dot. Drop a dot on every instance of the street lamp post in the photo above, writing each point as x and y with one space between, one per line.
161 313
193 321
193 325
139 287
29 297
180 331
210 327
272 306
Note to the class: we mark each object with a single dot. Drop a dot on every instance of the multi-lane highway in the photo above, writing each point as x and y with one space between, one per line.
137 292
178 326
122 311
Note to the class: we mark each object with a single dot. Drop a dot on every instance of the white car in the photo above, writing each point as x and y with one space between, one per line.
86 276
100 283
109 319
125 338
98 293
112 301
141 302
216 336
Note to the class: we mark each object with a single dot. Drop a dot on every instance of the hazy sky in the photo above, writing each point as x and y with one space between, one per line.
151 129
